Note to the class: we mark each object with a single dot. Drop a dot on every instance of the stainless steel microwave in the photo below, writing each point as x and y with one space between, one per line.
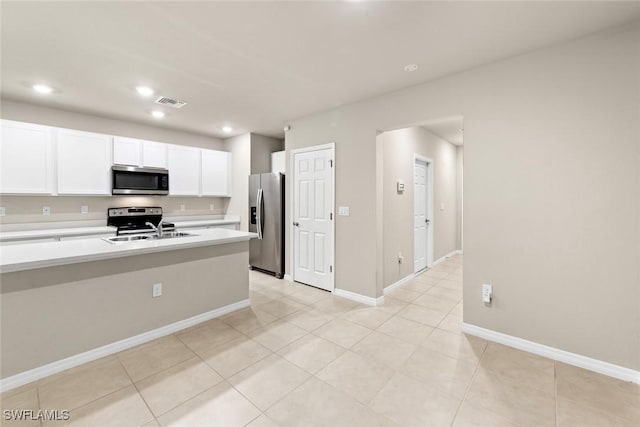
133 180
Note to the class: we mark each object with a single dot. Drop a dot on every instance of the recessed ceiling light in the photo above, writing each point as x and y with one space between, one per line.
227 129
144 90
157 114
410 67
42 88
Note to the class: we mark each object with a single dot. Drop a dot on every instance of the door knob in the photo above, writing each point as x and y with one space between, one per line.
427 221
296 224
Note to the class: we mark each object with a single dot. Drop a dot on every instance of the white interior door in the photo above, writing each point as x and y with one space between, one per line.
420 215
312 218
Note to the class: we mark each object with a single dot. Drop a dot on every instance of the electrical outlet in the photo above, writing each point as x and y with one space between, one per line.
156 290
211 207
2 211
487 293
84 209
46 210
183 207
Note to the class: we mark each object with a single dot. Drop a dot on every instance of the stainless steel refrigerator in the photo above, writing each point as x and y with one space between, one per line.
266 217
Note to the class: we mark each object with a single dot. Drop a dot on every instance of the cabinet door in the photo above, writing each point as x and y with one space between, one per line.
26 160
184 170
126 151
154 154
84 162
216 173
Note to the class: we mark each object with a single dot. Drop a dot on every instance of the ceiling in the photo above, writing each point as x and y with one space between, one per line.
256 65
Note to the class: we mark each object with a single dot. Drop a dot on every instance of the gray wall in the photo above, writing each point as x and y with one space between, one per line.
261 149
57 312
251 154
551 194
29 208
459 192
399 148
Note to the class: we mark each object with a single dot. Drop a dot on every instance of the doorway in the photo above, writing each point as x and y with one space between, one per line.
422 213
312 229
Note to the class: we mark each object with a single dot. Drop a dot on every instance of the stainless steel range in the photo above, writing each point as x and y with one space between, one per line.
136 224
135 220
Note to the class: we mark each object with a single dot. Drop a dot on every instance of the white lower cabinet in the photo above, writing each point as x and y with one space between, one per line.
184 170
83 162
26 158
216 173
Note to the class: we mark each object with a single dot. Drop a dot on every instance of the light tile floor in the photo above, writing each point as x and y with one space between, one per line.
300 356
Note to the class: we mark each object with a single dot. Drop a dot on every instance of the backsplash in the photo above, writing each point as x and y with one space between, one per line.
21 209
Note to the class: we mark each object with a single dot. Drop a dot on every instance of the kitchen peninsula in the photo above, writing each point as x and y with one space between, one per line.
68 302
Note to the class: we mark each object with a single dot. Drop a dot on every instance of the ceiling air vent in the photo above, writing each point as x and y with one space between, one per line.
175 103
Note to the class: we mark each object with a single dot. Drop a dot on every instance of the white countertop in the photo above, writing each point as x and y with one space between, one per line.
55 233
17 232
30 256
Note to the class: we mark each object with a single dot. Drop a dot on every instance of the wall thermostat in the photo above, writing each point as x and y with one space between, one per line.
400 186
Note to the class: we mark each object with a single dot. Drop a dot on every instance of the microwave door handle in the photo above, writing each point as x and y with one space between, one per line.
259 213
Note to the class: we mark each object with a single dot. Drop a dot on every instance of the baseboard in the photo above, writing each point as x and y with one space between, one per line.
359 298
399 283
288 277
574 359
443 258
61 365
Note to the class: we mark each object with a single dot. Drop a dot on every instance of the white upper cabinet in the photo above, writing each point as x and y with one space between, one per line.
127 151
137 152
26 159
154 154
216 173
184 170
84 162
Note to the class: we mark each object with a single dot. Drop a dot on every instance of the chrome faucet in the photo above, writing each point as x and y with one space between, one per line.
157 230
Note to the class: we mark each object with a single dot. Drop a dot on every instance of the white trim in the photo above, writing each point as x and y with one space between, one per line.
443 258
574 359
359 298
60 365
399 283
292 155
288 277
430 216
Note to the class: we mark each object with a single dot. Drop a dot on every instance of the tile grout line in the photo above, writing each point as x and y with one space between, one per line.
466 391
138 391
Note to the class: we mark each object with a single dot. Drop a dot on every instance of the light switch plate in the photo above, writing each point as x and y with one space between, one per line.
156 290
487 293
442 206
344 211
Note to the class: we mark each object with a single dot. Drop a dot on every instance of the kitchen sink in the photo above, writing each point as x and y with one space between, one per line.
171 235
138 237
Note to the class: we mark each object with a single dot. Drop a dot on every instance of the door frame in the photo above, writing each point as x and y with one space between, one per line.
418 158
292 155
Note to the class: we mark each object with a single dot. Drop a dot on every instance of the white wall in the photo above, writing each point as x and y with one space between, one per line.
240 148
399 148
551 194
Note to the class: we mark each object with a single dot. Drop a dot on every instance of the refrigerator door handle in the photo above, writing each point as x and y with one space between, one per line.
259 203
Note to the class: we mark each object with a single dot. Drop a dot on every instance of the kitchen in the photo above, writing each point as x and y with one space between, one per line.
173 327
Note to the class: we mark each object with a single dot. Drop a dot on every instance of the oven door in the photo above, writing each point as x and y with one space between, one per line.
132 180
